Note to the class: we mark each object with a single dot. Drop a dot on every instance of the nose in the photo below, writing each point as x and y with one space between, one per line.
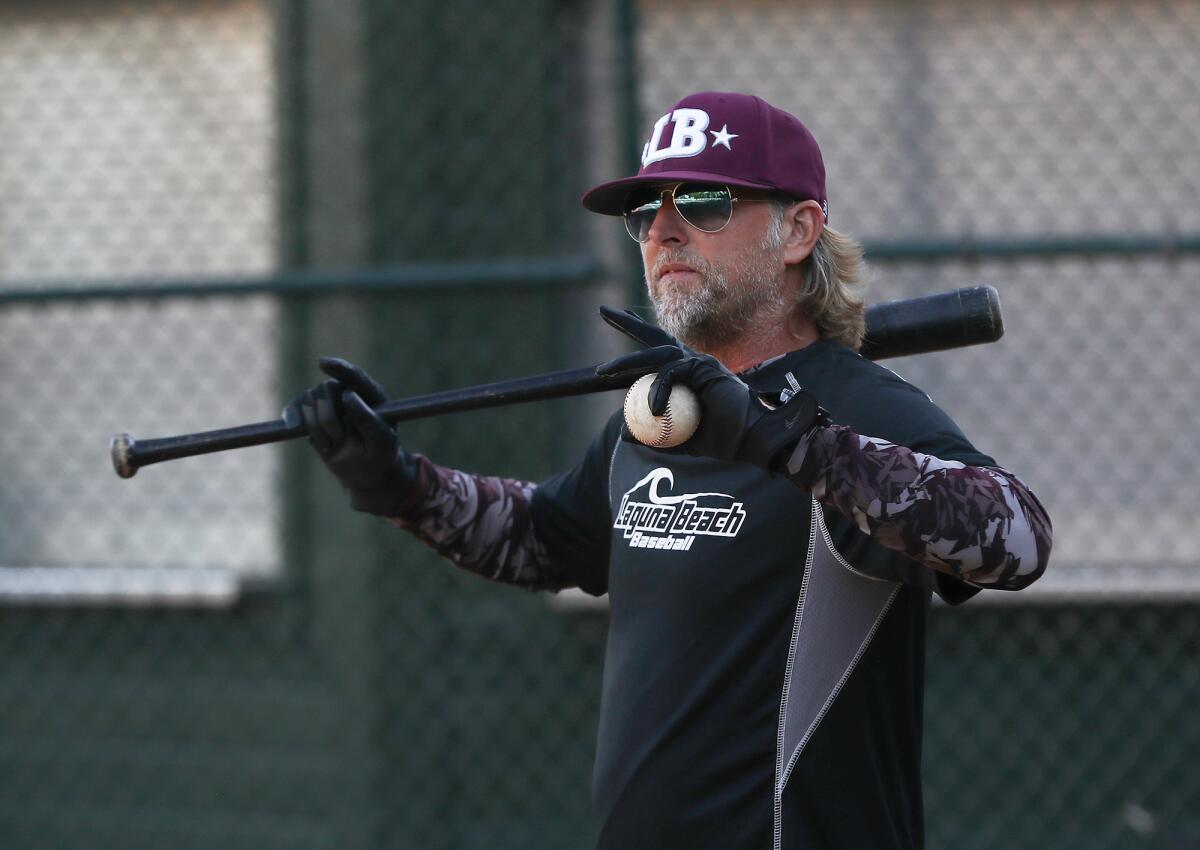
668 226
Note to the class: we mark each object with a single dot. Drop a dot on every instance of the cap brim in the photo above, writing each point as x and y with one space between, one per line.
609 198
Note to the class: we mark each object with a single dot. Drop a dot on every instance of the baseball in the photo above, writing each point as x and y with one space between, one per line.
678 422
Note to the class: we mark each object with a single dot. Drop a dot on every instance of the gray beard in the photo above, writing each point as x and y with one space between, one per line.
728 304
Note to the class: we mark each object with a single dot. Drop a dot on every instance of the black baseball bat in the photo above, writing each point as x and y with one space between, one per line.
961 317
955 319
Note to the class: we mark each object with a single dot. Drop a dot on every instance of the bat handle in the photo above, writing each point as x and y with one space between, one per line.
129 455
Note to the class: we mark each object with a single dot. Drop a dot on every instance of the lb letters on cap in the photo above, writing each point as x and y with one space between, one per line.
688 137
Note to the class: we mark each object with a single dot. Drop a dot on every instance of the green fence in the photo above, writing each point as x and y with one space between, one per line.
197 199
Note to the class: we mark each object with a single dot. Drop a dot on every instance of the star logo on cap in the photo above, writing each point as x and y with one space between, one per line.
723 137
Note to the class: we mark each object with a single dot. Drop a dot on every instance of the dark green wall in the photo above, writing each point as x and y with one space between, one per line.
373 698
465 126
1046 724
169 729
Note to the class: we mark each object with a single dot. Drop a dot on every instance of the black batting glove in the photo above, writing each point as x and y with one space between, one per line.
736 423
361 450
639 330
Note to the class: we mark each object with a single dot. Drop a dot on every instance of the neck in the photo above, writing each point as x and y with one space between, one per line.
752 348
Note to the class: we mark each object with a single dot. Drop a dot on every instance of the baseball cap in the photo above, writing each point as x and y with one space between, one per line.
723 137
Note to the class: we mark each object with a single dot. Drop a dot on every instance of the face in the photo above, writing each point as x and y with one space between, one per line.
709 289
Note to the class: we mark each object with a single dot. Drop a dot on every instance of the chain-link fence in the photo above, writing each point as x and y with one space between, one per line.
198 198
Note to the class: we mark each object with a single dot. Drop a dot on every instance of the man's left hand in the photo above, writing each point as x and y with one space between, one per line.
736 423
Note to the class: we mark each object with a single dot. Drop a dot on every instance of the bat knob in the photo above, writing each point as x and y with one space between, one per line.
122 455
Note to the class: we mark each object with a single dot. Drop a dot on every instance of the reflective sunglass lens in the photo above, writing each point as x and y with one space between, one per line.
640 212
706 208
638 222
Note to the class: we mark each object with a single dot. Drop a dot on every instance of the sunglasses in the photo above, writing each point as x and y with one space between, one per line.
706 207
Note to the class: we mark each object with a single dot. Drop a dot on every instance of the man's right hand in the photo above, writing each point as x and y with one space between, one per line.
359 448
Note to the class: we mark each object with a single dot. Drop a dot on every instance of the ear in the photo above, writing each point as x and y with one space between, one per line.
802 225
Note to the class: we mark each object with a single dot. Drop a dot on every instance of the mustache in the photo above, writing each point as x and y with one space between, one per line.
666 258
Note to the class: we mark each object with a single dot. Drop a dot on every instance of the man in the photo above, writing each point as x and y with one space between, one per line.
769 580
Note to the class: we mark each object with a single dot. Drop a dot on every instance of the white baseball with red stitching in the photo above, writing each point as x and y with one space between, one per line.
677 424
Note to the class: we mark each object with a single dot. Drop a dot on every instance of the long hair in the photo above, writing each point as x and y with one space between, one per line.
835 276
834 279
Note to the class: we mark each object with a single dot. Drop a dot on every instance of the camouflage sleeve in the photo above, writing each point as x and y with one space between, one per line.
980 524
479 523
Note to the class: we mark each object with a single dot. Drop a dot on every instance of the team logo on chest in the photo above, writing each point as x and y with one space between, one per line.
648 519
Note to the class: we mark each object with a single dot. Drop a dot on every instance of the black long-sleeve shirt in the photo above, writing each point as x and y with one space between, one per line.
764 671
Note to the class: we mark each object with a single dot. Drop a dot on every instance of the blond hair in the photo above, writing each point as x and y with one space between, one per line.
834 279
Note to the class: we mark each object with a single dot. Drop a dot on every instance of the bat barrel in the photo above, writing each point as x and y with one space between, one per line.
962 317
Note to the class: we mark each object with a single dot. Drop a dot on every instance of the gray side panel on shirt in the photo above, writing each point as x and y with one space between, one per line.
838 612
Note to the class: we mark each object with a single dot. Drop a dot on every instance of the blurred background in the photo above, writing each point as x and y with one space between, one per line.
199 197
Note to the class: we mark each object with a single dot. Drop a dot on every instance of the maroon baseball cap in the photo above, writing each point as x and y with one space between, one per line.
722 137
